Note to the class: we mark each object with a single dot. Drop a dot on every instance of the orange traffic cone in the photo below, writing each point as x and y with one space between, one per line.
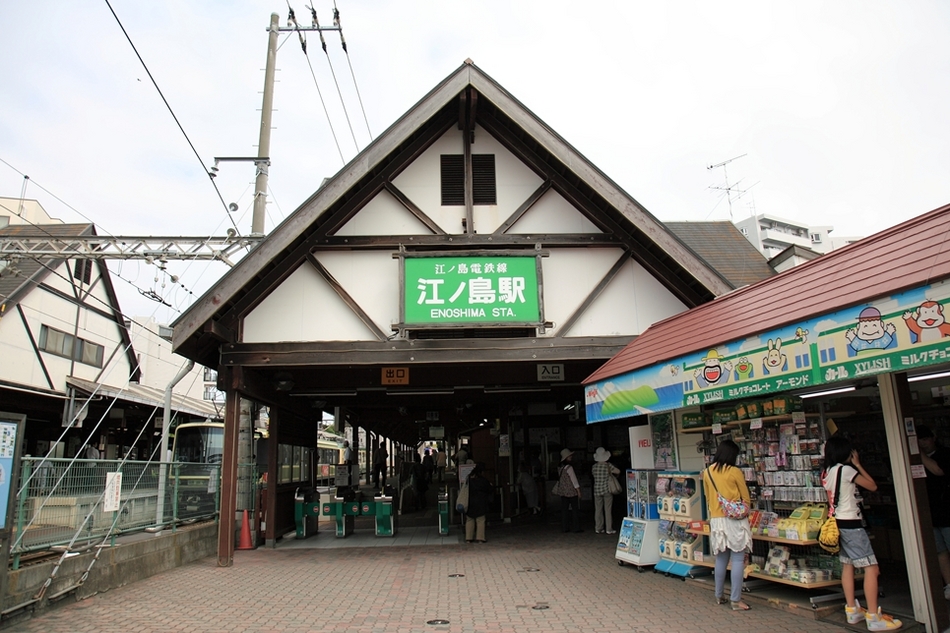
245 541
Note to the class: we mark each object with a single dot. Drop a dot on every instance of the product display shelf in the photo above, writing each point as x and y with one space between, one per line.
737 423
785 581
765 537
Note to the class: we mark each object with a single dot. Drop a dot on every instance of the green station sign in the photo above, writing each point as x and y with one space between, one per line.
471 290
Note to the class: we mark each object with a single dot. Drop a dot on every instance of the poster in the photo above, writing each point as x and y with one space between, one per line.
664 447
8 435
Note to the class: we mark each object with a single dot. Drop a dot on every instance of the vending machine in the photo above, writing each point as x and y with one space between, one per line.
638 542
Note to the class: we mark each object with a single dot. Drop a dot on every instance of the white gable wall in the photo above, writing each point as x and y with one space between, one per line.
421 183
306 308
384 215
40 307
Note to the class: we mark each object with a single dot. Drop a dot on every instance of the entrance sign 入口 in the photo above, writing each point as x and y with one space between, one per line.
890 334
470 290
550 372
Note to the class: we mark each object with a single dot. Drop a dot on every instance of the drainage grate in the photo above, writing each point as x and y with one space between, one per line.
541 606
437 622
531 569
456 575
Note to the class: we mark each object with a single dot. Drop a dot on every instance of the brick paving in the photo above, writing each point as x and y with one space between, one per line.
400 588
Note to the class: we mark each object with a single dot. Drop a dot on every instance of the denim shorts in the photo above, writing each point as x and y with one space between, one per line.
942 537
856 548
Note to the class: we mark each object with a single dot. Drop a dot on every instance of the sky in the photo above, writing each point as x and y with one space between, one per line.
834 113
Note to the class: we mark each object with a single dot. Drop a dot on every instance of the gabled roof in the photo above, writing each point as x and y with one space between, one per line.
21 277
908 255
215 317
721 245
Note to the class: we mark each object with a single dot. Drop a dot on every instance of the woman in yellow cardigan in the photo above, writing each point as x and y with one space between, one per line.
729 539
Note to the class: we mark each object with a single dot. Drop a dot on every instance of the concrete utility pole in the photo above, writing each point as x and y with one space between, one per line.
263 146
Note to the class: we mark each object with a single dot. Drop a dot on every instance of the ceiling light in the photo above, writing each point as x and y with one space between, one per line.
816 394
942 374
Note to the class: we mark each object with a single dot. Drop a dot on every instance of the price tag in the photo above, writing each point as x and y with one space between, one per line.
756 423
791 534
717 428
698 556
798 416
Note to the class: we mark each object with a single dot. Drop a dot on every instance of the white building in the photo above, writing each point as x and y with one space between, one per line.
68 358
771 235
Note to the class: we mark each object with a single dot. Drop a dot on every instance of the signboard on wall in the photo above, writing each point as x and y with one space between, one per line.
470 290
891 334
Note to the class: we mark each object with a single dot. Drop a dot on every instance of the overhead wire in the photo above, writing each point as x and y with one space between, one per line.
323 44
27 179
204 168
336 23
292 21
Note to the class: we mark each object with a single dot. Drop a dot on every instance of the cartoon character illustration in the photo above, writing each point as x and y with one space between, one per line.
871 332
674 369
774 360
927 323
713 371
743 369
802 335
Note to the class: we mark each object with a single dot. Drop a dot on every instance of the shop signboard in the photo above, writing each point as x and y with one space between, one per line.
471 290
891 334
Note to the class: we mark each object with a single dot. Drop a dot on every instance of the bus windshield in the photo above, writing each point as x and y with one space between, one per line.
199 444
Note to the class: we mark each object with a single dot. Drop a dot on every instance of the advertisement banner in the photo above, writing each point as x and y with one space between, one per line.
891 334
471 290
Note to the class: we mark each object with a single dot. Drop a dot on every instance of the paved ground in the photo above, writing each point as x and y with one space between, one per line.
527 578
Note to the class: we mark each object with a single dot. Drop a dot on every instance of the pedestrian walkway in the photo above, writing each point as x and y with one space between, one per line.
528 578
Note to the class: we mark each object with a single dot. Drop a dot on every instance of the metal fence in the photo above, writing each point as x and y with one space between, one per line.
70 501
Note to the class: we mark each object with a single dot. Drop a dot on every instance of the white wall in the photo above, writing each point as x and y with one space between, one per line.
306 308
159 365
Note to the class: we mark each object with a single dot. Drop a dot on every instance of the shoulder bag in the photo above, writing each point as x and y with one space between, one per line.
732 509
828 535
461 502
613 484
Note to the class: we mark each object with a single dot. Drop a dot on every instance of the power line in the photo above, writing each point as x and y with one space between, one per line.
336 22
172 112
323 43
292 21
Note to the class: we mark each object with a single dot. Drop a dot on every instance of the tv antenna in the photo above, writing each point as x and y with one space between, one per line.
729 189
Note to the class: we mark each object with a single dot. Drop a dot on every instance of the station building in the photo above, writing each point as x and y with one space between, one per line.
456 282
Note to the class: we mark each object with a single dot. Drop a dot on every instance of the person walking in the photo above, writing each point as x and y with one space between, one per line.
569 491
379 466
729 539
428 466
842 475
529 487
441 462
603 498
480 494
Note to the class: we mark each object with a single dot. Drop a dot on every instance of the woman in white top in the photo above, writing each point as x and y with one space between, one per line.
844 473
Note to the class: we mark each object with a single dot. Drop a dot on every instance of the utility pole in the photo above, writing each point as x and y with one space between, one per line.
263 146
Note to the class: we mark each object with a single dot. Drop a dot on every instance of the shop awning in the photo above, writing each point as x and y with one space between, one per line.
149 396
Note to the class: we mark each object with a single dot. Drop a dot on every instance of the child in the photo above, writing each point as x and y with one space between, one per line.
856 549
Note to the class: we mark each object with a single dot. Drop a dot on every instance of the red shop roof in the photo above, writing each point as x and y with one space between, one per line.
905 256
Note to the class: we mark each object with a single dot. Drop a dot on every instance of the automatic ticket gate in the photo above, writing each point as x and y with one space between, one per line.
343 512
306 512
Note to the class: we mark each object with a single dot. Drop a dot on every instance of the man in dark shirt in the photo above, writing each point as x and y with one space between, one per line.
936 460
